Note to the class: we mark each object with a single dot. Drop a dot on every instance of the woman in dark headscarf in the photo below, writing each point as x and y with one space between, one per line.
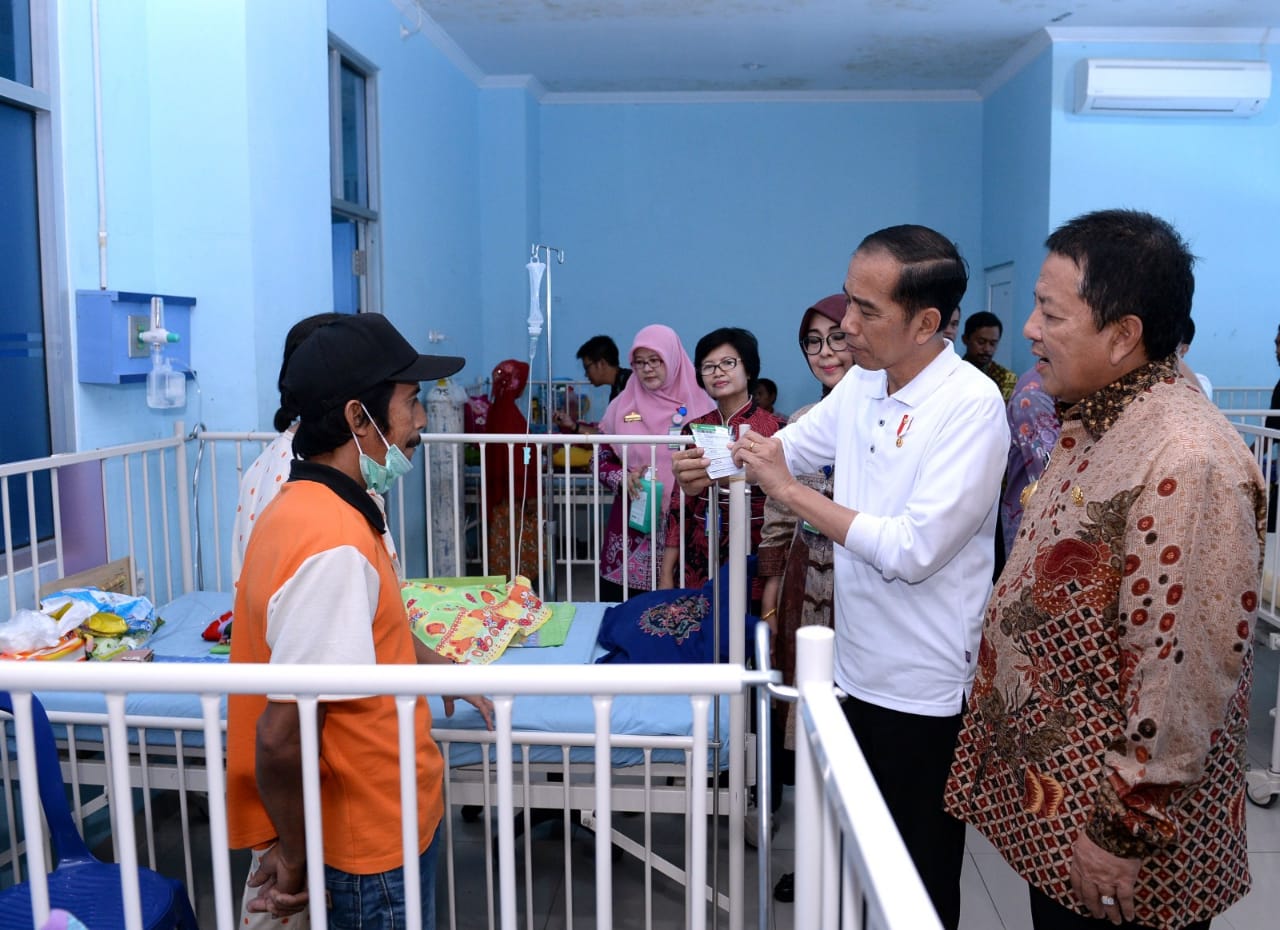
507 473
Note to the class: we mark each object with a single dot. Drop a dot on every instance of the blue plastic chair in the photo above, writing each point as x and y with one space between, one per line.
80 883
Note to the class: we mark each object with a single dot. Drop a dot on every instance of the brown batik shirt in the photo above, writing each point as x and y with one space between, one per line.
1113 679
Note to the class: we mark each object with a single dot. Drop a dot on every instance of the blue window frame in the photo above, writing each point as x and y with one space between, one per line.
353 160
35 381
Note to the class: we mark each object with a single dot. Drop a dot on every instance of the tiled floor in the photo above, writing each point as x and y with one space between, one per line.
993 897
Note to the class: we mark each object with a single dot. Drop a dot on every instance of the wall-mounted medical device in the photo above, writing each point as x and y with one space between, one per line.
118 342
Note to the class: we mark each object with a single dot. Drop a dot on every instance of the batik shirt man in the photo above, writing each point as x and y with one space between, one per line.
1112 690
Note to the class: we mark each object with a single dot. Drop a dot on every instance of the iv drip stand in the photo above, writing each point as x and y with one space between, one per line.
548 400
546 251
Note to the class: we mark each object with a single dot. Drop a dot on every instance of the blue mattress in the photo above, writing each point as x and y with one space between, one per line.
179 640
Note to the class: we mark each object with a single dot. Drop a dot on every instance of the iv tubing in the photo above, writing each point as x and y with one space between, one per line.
549 398
547 249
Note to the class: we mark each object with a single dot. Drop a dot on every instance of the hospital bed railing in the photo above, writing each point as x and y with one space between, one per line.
1241 398
76 511
851 866
1264 784
701 683
439 513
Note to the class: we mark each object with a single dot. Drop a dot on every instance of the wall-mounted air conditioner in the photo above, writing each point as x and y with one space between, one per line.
1153 87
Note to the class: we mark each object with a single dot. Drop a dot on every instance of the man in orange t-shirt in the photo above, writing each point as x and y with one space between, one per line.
319 586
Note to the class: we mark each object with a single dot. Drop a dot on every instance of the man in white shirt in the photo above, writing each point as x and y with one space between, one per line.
919 440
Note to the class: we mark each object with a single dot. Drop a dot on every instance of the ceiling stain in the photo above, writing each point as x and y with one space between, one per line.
446 11
645 46
931 62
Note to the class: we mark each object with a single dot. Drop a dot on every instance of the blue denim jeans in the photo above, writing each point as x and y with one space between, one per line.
377 902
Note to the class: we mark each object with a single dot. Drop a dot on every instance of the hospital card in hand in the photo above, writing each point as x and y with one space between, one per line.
714 442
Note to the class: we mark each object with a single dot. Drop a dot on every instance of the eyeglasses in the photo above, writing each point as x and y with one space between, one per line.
836 340
647 364
725 364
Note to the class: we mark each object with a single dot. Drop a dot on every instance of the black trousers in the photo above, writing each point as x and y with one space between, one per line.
910 756
1048 914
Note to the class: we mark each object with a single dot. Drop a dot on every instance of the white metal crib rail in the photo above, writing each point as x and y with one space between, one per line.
89 508
439 515
1230 399
851 867
125 754
701 683
1264 784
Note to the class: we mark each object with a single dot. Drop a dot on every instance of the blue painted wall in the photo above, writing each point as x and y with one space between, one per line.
430 216
510 220
215 147
286 91
693 214
216 134
1216 179
1016 149
705 215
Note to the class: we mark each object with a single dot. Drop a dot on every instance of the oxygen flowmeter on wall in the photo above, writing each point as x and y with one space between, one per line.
126 337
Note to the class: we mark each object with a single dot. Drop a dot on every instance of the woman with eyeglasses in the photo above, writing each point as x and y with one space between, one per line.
727 362
663 392
796 561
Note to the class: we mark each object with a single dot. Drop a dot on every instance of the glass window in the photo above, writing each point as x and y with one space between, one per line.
353 158
346 283
355 176
22 355
15 40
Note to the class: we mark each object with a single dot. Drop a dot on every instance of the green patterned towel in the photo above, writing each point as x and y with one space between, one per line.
553 632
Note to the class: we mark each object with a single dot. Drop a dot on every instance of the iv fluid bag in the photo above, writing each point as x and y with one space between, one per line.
536 271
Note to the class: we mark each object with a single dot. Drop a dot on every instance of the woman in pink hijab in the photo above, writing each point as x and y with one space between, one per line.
662 393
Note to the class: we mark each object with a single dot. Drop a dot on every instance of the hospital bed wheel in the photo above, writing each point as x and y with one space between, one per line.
1262 787
1263 800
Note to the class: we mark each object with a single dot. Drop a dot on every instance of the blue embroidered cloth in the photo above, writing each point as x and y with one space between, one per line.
672 625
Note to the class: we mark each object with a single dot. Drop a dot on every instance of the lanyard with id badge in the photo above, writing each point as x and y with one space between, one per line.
677 427
807 529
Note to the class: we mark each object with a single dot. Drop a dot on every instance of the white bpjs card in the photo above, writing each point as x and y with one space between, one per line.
714 443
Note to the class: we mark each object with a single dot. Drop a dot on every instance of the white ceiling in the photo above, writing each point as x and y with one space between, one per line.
648 46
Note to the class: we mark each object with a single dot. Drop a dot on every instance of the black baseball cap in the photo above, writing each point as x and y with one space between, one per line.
350 355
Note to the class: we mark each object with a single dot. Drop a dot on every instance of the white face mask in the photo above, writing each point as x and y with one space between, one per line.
380 478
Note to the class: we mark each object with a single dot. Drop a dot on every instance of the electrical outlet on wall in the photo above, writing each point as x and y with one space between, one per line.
1273 641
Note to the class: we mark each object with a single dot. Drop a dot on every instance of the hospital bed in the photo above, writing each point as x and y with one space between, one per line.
133 503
